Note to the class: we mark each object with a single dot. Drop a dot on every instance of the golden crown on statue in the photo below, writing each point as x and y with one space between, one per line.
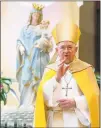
37 6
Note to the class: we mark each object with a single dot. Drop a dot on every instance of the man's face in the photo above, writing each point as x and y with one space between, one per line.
66 50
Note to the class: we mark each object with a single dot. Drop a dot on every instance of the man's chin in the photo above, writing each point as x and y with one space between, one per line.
67 61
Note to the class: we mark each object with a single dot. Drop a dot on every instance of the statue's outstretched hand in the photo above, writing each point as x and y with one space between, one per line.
22 49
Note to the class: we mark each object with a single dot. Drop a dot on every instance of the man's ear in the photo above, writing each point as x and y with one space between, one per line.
56 49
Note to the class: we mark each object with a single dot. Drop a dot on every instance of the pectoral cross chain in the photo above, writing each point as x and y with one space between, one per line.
66 88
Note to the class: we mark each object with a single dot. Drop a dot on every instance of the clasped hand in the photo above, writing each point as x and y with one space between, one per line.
67 103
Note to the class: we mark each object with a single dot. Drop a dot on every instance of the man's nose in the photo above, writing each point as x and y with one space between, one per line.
66 50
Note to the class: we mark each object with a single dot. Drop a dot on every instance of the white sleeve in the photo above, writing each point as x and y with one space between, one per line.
82 110
48 90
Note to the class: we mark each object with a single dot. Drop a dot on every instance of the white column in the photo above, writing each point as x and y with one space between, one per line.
79 4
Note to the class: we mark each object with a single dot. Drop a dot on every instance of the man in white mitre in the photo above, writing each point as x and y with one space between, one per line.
68 95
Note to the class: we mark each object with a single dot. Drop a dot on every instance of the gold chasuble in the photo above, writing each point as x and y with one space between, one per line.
84 76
